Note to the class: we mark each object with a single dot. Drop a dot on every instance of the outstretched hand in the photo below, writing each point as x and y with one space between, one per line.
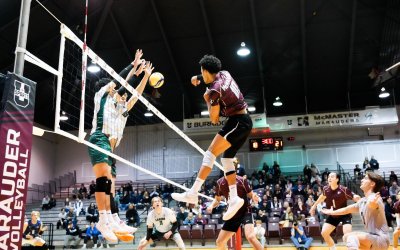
138 55
376 199
148 69
327 211
195 82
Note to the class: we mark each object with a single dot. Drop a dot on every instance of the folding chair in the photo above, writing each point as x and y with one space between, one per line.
197 233
272 231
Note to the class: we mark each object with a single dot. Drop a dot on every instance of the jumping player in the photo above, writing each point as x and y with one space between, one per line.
223 97
243 216
335 196
163 220
372 211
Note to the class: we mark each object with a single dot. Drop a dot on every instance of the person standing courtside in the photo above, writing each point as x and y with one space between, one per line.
223 97
335 196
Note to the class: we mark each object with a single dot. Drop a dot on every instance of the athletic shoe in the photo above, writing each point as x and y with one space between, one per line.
233 206
125 237
116 228
127 228
185 197
106 232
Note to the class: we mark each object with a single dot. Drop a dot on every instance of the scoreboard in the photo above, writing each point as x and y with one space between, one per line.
266 144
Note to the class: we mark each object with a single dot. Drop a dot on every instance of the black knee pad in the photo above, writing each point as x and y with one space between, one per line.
101 184
108 190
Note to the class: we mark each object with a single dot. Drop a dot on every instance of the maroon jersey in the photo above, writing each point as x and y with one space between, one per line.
396 207
225 92
337 198
243 188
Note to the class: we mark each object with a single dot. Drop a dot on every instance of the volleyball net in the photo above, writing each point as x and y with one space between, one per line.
75 97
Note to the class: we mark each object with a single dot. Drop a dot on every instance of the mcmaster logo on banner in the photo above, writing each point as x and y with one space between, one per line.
21 94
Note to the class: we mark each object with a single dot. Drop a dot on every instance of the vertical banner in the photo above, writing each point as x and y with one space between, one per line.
16 121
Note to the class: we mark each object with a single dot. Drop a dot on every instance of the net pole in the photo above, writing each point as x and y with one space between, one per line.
59 82
84 65
22 36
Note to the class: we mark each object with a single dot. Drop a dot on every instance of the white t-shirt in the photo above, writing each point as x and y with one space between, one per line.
163 221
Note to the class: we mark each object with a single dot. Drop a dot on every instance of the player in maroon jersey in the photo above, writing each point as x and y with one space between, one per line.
243 216
223 97
335 196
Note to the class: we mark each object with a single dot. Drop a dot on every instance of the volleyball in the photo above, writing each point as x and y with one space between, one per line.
156 80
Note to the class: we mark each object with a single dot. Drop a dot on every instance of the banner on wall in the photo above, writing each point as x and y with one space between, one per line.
16 122
367 117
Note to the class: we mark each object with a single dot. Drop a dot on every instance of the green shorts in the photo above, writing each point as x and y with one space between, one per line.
101 140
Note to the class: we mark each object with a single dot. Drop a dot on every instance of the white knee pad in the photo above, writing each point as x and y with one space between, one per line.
179 242
228 165
208 159
352 242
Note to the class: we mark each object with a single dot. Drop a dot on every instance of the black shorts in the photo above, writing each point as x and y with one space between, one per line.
235 131
334 221
158 236
233 224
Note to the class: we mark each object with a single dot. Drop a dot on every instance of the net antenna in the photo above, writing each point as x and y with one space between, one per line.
83 82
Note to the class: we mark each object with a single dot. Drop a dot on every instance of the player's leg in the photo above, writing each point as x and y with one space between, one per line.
346 221
178 240
327 229
251 236
143 243
396 235
223 238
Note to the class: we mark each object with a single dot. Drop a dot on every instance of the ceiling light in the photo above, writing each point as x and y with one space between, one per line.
383 93
243 50
277 102
63 116
251 109
148 114
204 113
93 68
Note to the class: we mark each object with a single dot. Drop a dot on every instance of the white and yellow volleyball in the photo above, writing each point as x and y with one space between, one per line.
156 80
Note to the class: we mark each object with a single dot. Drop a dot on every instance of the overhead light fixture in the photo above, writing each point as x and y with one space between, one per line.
63 116
277 102
243 50
204 113
93 67
251 109
383 93
148 114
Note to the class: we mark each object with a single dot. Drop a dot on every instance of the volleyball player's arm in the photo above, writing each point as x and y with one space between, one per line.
374 203
213 110
321 198
214 204
26 234
140 88
353 208
254 197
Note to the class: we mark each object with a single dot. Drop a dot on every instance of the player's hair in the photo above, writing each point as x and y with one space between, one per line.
101 83
154 199
338 176
377 179
210 63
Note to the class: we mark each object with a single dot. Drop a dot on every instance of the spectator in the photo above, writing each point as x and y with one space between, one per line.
262 215
393 177
92 189
135 198
154 193
62 216
389 212
300 210
82 191
92 214
168 189
200 220
181 216
72 234
31 231
384 192
92 233
357 172
286 217
310 201
365 163
45 203
239 167
393 190
124 201
146 200
132 216
374 163
78 207
307 171
71 216
314 170
67 204
275 203
189 219
260 233
299 238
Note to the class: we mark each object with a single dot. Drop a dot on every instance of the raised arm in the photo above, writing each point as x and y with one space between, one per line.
321 198
353 208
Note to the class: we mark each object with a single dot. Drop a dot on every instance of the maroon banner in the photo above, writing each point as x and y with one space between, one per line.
16 121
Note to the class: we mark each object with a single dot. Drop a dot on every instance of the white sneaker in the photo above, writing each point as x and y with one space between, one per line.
101 246
116 228
95 246
107 246
125 227
106 232
185 197
233 206
83 247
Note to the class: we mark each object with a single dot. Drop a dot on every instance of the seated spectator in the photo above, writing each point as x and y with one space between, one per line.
286 217
393 190
62 216
389 212
52 202
300 210
31 232
146 200
393 177
181 215
374 163
384 192
154 193
168 189
71 216
275 203
92 214
260 233
299 238
83 191
72 234
262 216
357 172
92 189
124 201
78 207
92 233
189 219
310 201
134 197
200 220
45 203
67 204
132 216
365 163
